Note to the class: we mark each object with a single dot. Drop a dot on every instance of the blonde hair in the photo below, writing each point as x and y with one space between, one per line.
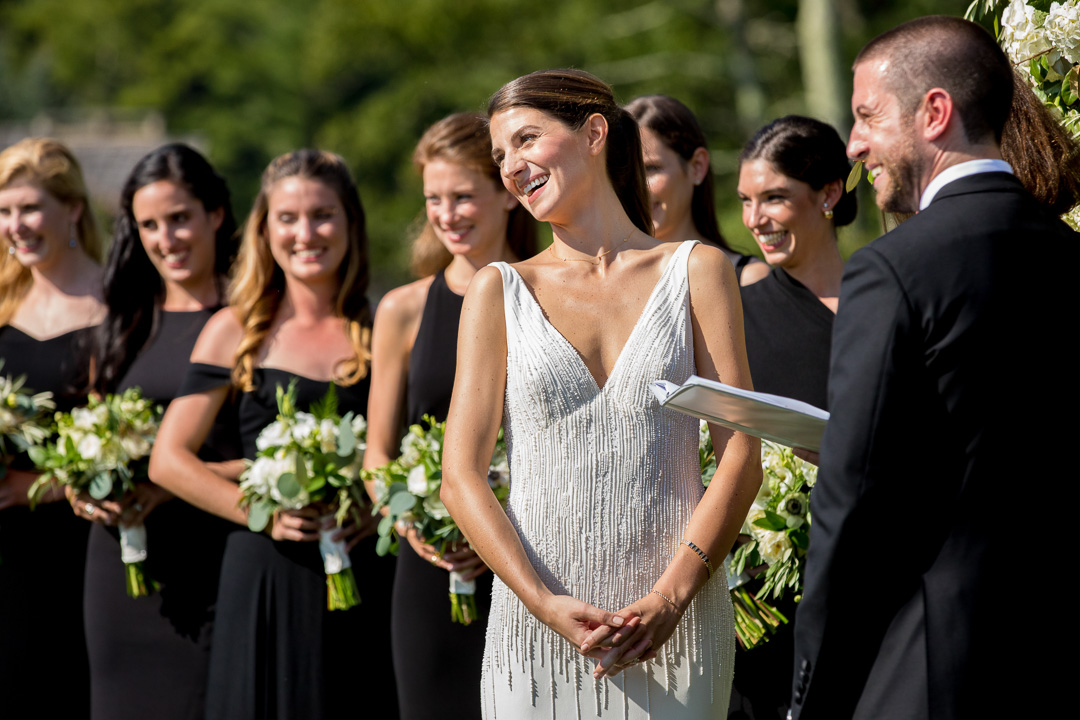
258 284
50 164
462 139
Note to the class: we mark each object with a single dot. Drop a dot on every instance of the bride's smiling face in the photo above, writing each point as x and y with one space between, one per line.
542 161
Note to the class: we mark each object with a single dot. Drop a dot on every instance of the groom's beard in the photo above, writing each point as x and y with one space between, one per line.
902 194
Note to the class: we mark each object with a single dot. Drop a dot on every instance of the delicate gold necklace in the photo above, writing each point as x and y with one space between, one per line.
551 247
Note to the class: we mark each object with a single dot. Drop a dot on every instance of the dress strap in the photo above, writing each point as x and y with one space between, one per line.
203 377
680 260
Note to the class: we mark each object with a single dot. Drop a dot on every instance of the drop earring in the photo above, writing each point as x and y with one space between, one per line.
73 238
827 212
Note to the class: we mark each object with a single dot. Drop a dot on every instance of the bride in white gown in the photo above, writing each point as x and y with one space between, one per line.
602 606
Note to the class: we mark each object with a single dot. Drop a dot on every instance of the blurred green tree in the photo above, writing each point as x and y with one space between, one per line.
365 78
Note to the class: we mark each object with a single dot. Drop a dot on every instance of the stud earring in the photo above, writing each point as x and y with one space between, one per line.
827 212
11 250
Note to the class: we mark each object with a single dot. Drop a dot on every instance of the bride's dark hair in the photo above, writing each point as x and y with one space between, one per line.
571 96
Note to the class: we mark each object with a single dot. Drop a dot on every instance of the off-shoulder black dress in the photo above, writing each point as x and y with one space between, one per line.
149 656
438 662
277 652
43 667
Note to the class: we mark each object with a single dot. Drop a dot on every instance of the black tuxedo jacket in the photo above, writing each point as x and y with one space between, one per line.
931 473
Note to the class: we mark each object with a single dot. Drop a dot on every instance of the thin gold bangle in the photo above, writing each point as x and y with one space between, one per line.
666 599
701 554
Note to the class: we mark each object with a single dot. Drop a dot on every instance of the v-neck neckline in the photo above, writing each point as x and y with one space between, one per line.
597 387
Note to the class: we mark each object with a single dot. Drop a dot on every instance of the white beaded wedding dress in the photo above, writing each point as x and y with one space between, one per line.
603 482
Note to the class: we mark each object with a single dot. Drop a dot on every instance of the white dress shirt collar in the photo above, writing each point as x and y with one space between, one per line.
962 170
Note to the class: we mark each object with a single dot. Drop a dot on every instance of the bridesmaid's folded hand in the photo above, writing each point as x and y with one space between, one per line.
105 512
141 501
297 525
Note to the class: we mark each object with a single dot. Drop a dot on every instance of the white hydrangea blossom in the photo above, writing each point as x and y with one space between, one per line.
1062 28
1022 35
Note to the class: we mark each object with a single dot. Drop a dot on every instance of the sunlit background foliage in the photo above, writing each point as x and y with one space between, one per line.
248 80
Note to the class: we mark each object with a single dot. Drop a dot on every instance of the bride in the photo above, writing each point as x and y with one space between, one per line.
603 605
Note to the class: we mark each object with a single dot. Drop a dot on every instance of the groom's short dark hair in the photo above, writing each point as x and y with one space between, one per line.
955 55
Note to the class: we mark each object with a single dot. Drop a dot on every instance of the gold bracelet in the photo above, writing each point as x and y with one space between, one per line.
701 554
666 599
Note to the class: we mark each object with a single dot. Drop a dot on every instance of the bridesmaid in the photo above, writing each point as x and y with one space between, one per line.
164 278
791 184
297 310
680 179
50 294
471 221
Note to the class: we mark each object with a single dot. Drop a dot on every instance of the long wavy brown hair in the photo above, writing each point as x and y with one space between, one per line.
259 282
51 164
1044 156
463 139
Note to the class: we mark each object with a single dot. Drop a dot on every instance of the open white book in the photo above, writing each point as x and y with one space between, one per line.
780 419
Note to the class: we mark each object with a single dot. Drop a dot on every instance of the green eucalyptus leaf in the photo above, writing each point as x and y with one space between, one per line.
346 441
402 503
383 545
316 483
301 470
288 486
38 455
386 526
259 515
101 486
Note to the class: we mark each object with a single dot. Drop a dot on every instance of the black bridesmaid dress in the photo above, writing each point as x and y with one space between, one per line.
277 652
43 665
437 661
149 656
788 336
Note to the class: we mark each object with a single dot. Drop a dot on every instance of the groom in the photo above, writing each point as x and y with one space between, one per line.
925 492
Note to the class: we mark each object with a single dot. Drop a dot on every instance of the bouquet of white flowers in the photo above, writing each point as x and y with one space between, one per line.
310 458
779 521
101 449
778 525
409 488
25 417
